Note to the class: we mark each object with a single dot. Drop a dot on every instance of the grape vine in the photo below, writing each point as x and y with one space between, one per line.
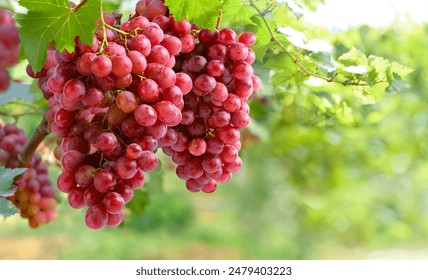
117 92
116 101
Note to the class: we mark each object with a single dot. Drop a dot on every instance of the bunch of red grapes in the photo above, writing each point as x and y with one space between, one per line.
9 47
34 194
152 82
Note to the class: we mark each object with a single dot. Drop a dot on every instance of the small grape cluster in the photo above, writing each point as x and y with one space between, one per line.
9 47
34 195
151 82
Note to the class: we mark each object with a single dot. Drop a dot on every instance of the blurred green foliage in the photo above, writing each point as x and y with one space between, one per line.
353 178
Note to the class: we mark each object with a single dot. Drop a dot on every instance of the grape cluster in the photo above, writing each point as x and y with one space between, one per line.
34 195
216 109
223 80
152 82
208 137
9 47
112 104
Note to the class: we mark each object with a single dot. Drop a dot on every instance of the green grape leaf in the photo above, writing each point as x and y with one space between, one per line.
372 76
284 66
203 13
280 78
260 50
237 11
50 21
401 70
7 209
397 85
380 64
353 57
321 51
325 61
6 179
281 62
264 40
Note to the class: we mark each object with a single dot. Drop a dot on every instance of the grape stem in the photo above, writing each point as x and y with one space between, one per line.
30 148
83 2
296 59
116 29
117 16
103 26
220 15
